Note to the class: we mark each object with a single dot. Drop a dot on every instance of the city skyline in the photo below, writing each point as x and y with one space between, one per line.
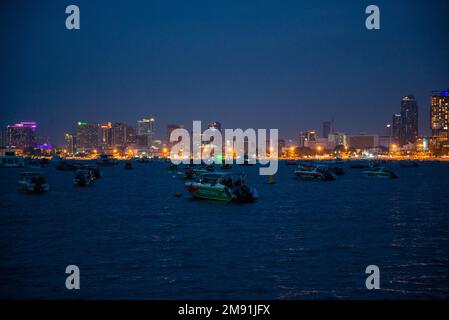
404 126
228 62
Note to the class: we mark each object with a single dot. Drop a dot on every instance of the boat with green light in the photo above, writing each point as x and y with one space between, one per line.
222 186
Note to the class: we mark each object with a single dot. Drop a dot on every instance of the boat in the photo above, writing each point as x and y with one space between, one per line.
380 173
94 170
106 161
312 172
191 172
128 165
35 163
222 186
172 168
83 178
409 164
33 182
364 164
332 166
338 171
56 159
9 159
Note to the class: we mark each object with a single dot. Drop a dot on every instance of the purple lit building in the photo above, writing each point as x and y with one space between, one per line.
22 135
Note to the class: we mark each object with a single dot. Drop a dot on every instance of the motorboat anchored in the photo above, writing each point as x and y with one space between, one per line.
106 161
191 172
128 165
83 178
222 186
313 172
33 182
9 159
380 173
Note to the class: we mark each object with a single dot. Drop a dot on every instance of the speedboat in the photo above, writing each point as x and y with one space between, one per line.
363 164
33 182
222 186
191 172
331 166
172 168
128 165
83 178
35 163
95 172
10 160
106 161
380 173
313 172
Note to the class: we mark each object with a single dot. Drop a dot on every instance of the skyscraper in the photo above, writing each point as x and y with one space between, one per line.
396 126
130 135
106 135
70 143
439 113
87 136
118 134
2 139
327 128
409 120
145 131
22 135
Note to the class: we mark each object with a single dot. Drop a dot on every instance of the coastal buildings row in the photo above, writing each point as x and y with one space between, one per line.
401 134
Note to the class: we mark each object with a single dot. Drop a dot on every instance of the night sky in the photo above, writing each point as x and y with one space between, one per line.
262 64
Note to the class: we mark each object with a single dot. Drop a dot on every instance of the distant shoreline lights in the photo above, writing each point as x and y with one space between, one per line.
247 146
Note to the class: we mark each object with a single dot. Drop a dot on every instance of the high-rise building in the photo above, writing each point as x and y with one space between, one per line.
327 129
87 136
337 139
106 135
170 129
302 139
145 132
396 126
363 141
22 135
118 134
409 120
130 136
439 113
2 139
70 143
307 139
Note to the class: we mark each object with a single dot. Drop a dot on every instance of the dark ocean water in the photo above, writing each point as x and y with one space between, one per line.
131 238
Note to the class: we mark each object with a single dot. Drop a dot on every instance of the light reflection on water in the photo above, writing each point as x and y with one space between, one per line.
132 238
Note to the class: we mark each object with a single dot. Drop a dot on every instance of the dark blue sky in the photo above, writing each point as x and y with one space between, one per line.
261 64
